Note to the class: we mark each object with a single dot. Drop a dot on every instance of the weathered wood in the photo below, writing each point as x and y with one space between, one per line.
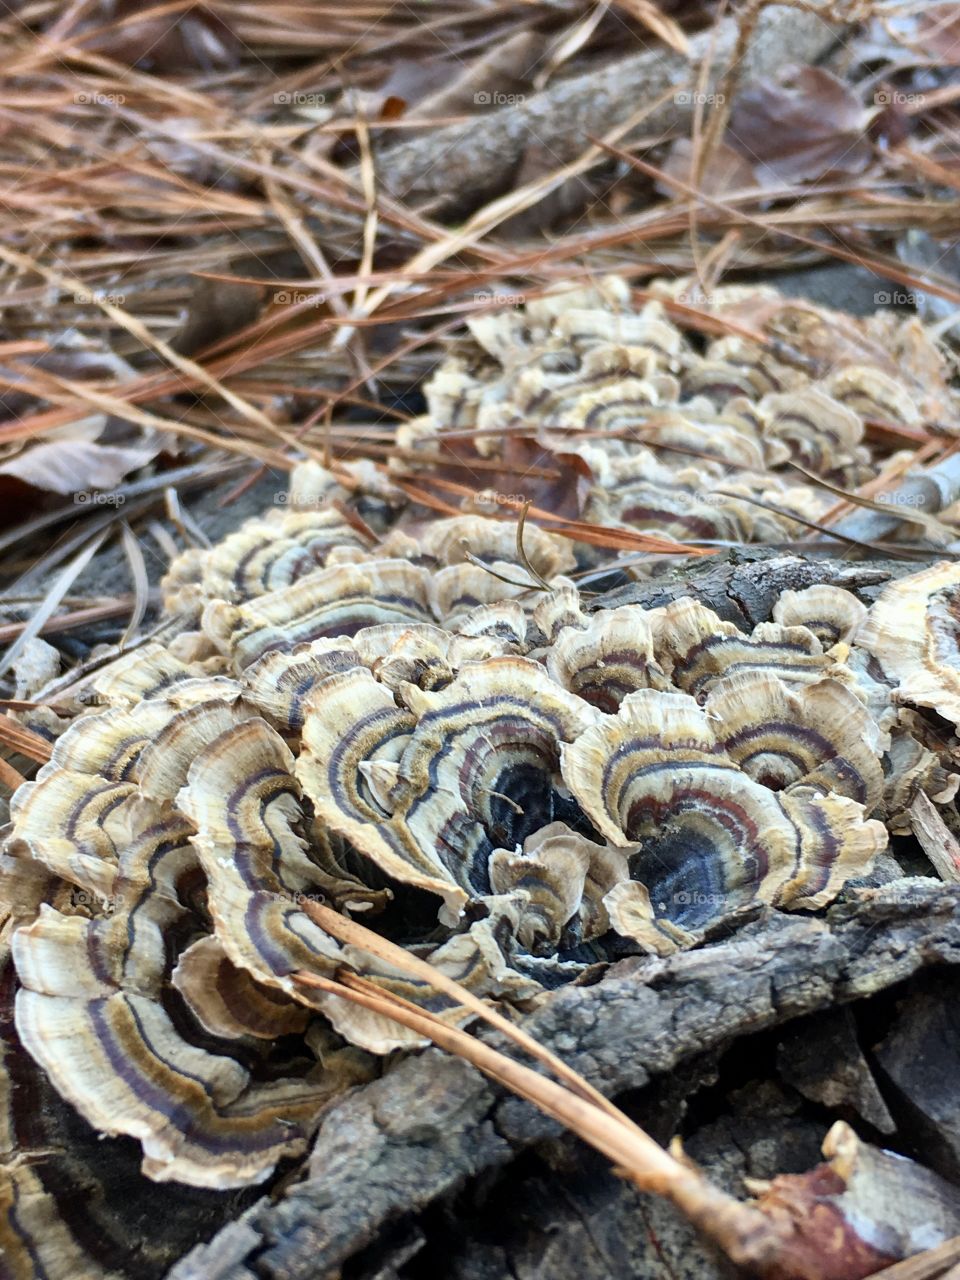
462 165
429 1125
918 1062
742 587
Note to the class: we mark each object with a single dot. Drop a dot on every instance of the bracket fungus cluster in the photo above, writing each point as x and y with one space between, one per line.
426 723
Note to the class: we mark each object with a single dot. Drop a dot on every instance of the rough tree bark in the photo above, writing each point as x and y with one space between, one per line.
464 164
393 1147
742 587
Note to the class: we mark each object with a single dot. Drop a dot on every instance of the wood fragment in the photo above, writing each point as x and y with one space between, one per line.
928 1265
935 837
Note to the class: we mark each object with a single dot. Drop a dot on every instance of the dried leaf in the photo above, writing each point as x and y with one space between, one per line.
726 169
160 40
800 128
652 16
77 466
862 1209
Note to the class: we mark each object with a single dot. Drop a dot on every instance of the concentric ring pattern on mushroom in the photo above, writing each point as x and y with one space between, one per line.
427 722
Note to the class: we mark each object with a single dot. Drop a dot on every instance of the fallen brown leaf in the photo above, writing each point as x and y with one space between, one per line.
726 169
800 128
77 467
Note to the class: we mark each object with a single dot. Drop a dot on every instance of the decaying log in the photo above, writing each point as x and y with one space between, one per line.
430 1124
743 587
481 156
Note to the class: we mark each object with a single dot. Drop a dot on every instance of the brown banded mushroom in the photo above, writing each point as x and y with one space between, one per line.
832 614
91 1011
913 634
94 967
330 602
819 736
735 366
699 430
244 804
147 671
643 494
611 656
559 880
483 598
428 717
911 768
712 838
556 610
873 394
454 541
646 331
71 1200
267 553
429 791
821 433
278 684
697 649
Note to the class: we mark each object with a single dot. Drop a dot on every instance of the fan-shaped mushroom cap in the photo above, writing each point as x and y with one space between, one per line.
832 614
477 771
648 331
556 610
163 765
644 494
562 877
91 1012
913 632
735 366
474 958
144 672
243 800
71 1202
818 735
450 541
696 648
712 838
911 768
273 551
700 429
873 394
108 743
76 816
611 657
73 824
821 433
612 389
329 602
93 1008
227 1002
279 682
505 624
459 590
